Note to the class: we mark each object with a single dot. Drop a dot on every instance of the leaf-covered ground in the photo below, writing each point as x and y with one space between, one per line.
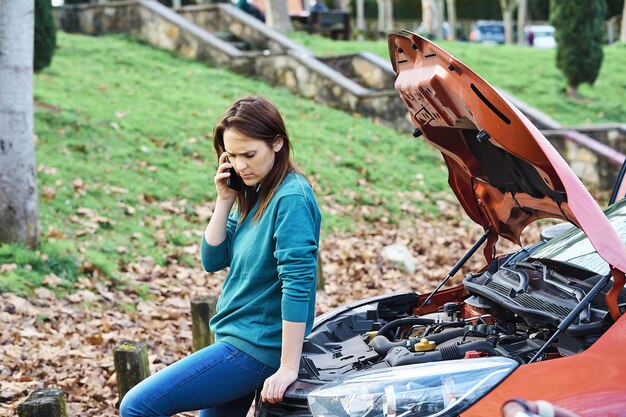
68 342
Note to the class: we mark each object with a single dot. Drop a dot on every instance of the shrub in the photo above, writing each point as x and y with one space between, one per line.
579 31
45 35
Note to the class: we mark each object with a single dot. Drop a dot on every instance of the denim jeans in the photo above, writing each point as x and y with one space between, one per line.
220 380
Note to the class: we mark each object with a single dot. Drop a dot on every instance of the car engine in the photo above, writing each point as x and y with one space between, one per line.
509 312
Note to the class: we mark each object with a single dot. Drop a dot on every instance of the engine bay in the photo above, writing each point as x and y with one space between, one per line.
511 310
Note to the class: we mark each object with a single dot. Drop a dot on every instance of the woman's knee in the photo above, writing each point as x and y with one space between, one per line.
131 405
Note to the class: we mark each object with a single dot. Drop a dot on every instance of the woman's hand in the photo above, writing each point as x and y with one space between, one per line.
275 386
223 191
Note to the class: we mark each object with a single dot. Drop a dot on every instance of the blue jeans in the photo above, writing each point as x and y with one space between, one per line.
219 380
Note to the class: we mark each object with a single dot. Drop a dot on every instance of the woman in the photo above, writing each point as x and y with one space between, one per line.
267 305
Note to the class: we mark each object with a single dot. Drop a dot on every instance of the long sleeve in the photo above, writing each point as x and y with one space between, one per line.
216 258
296 234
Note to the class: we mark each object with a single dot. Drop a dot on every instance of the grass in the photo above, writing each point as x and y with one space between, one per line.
126 163
528 73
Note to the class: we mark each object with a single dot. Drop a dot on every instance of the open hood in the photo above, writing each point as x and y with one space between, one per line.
502 169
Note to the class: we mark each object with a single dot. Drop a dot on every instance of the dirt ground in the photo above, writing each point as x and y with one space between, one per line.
47 341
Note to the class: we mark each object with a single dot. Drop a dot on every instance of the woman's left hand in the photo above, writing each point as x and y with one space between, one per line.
275 386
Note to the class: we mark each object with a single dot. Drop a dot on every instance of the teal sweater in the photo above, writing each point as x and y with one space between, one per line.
273 265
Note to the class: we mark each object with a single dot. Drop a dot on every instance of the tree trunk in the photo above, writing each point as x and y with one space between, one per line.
276 15
622 33
522 10
389 16
360 19
432 18
451 6
439 19
346 6
18 178
380 26
572 92
507 7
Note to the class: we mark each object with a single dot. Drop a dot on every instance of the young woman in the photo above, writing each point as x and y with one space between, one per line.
270 243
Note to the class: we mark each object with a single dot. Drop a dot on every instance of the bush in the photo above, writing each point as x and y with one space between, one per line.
579 32
45 35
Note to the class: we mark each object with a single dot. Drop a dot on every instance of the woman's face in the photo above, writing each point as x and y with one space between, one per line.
252 158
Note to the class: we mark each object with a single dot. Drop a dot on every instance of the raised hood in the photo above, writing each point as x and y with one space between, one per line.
504 172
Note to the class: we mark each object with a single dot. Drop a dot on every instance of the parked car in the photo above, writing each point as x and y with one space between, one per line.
540 36
544 322
487 31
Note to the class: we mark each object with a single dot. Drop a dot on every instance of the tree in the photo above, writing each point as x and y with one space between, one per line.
380 23
522 10
360 19
389 16
622 33
508 7
276 15
45 35
451 8
432 16
18 185
579 31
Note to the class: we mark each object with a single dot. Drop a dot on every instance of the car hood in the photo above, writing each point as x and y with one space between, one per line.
504 172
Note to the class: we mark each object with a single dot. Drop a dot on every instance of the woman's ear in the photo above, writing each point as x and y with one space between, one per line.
278 143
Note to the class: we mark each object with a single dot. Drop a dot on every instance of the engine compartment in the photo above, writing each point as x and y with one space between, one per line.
512 309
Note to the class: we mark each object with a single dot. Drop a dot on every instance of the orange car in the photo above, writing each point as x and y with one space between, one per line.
542 323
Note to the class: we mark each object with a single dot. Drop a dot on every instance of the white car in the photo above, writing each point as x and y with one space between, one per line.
540 36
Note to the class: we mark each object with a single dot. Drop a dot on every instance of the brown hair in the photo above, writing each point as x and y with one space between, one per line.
257 118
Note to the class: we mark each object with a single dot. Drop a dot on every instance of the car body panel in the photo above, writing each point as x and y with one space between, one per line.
573 382
452 106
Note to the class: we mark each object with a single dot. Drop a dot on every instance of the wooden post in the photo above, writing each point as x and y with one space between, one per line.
201 313
131 366
46 402
320 273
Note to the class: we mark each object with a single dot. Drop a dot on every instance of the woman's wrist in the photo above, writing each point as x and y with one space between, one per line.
284 367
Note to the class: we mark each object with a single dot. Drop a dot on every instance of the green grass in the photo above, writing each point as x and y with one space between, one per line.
528 73
125 160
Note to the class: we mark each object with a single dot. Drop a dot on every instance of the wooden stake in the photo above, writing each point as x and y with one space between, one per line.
131 365
46 402
201 313
320 273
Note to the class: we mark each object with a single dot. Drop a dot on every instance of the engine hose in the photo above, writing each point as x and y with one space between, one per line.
382 345
448 334
387 329
399 355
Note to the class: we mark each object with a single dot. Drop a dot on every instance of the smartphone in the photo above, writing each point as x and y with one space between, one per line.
234 181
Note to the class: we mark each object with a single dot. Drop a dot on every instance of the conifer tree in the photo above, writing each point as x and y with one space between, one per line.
45 35
579 32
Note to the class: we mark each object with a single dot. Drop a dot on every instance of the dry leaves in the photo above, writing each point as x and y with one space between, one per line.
68 342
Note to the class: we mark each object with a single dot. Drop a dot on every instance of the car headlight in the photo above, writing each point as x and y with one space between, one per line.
429 389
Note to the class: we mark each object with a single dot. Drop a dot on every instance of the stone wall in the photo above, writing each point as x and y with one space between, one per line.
92 19
226 18
610 134
155 24
362 69
596 164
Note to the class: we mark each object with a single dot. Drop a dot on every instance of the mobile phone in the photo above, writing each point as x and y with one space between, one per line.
234 181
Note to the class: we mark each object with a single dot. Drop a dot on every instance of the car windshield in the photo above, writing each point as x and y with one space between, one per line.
574 248
492 28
